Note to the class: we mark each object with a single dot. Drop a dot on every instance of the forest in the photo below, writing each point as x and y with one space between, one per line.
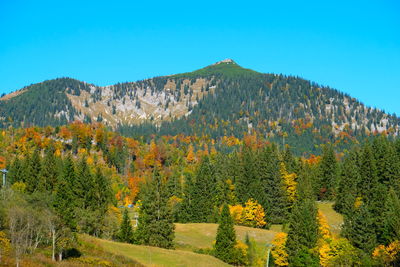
68 182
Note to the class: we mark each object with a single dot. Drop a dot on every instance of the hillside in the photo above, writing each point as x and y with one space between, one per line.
221 99
153 256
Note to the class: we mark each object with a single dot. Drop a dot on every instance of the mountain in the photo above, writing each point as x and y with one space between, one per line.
222 99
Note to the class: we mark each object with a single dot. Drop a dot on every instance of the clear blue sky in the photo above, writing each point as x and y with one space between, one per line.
350 45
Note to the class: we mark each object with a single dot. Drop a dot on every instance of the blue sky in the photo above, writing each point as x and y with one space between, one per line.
353 46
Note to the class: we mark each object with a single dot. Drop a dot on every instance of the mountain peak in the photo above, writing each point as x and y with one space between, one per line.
227 60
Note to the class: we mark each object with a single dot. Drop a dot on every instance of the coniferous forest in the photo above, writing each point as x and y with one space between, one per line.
67 183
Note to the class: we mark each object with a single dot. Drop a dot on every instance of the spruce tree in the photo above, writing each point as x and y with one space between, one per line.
49 172
15 172
303 225
347 190
32 167
186 213
272 195
65 200
101 195
368 172
224 248
203 193
328 174
155 226
391 218
359 229
84 186
247 183
125 233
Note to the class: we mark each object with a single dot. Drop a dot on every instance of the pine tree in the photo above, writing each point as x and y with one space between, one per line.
368 172
247 182
16 172
83 185
32 167
186 212
102 193
392 218
328 174
347 190
64 200
49 172
303 225
203 193
272 196
359 229
155 226
125 233
224 247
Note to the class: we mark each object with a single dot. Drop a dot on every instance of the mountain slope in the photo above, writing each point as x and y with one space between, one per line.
221 99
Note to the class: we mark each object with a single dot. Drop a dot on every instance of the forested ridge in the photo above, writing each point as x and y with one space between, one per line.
85 179
222 99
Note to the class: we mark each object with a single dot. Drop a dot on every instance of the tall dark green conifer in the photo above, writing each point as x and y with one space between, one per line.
15 172
359 229
125 233
247 183
155 226
203 193
224 248
328 174
303 225
31 174
102 193
347 190
49 172
392 218
272 195
64 200
84 186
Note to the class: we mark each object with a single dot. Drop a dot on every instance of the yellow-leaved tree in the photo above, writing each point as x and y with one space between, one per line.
333 251
387 254
289 180
279 251
324 228
190 155
251 214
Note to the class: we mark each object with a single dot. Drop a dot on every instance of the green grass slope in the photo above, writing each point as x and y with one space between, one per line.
202 235
152 256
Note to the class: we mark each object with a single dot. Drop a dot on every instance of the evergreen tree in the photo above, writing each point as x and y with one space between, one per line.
186 212
49 172
347 190
125 233
84 185
328 174
303 225
203 193
32 167
102 193
247 182
272 195
15 172
368 172
359 229
392 218
64 200
224 247
155 226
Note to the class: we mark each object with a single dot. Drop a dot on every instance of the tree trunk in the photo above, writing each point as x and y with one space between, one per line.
60 256
53 255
